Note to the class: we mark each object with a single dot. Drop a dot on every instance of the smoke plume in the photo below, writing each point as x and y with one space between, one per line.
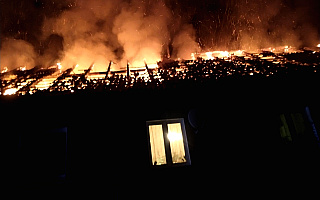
16 53
82 32
141 30
256 24
184 42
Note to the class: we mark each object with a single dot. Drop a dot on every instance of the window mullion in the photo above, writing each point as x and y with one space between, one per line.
167 143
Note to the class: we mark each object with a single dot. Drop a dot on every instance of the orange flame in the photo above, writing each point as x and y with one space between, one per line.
5 69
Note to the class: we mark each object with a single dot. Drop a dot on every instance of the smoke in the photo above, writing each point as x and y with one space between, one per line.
274 23
44 32
87 37
141 30
81 32
122 31
184 42
16 53
256 24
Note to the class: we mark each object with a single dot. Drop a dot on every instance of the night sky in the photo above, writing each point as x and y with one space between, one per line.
210 24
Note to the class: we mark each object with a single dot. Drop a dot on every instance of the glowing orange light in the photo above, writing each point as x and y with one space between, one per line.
59 65
5 69
10 91
216 54
192 56
209 55
173 136
286 49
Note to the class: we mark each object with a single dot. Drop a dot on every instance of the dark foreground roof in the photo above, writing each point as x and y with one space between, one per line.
235 149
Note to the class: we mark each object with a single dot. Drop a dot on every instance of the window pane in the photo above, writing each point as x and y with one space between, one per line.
157 145
176 143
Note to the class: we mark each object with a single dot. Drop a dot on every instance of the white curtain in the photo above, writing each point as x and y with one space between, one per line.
176 143
157 145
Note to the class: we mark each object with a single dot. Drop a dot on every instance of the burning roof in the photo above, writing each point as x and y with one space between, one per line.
204 66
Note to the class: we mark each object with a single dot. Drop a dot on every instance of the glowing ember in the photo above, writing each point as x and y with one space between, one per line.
46 82
10 91
209 65
237 53
286 49
211 55
5 69
214 54
193 56
59 65
23 68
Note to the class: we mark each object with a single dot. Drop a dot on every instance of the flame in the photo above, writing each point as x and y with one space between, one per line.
210 55
238 53
225 54
59 65
45 82
5 69
152 65
193 56
23 68
10 91
286 49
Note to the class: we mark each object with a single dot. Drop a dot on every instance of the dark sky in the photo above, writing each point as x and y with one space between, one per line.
217 23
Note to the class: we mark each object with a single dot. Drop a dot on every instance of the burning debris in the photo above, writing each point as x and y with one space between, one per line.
208 66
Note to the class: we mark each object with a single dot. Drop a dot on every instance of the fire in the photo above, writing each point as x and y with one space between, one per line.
210 55
55 79
286 49
59 66
219 54
193 56
318 45
23 68
5 69
10 91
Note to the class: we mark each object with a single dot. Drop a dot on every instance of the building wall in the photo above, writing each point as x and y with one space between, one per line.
237 137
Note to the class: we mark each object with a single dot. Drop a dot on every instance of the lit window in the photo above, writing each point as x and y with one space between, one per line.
168 142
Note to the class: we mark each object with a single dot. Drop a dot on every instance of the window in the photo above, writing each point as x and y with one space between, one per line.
168 142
